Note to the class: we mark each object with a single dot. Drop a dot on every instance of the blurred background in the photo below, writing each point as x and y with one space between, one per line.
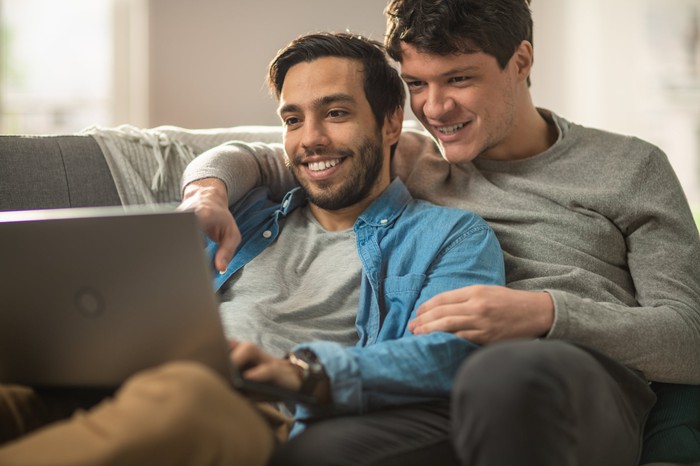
629 66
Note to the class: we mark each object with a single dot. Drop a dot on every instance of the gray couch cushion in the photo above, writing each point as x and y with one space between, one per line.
42 172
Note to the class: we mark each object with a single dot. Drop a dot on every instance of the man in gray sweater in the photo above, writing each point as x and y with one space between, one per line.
601 254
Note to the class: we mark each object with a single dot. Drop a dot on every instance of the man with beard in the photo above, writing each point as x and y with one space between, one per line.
347 256
330 276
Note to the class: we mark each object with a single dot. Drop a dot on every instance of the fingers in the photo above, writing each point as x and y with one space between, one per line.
278 372
228 243
208 199
255 364
467 327
457 311
462 326
444 312
447 318
485 314
446 298
245 355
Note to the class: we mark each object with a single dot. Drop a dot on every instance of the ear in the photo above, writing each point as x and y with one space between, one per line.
522 59
392 127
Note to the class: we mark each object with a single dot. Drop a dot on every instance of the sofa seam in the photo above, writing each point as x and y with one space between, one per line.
65 172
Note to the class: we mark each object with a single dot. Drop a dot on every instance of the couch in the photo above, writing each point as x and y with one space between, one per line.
128 165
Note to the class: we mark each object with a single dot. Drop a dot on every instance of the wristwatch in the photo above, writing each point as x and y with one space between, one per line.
312 372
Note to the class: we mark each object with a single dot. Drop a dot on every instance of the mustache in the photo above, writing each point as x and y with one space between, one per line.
321 152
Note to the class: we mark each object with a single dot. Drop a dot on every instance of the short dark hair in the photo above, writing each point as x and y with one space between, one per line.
382 84
444 27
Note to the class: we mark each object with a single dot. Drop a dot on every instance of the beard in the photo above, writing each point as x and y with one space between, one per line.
331 195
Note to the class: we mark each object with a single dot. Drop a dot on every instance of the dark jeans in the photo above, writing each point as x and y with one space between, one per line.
534 403
410 435
548 403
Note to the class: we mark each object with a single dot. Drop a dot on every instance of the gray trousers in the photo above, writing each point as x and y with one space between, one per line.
525 403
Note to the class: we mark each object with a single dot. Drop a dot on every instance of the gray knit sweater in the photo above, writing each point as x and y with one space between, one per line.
599 220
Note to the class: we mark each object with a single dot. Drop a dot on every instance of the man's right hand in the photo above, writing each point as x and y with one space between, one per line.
208 198
486 314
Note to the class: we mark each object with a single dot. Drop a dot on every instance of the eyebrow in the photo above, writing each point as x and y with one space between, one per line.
452 72
319 103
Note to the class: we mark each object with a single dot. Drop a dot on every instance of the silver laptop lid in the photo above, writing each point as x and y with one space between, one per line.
90 296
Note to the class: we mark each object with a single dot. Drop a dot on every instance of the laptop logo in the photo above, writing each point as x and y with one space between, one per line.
89 302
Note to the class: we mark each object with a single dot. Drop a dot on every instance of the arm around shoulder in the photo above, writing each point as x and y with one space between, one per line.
241 167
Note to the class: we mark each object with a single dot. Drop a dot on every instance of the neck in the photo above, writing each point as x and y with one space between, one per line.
531 134
338 220
345 218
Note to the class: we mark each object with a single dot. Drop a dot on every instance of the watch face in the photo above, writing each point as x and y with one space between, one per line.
310 358
312 369
306 355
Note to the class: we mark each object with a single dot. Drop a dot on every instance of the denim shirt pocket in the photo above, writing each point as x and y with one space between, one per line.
399 300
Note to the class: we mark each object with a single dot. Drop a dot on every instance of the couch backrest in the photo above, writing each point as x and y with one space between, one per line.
44 172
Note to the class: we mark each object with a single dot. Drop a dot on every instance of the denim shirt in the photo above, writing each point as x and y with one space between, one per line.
410 251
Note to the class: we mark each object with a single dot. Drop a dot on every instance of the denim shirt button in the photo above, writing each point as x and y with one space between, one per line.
267 234
384 221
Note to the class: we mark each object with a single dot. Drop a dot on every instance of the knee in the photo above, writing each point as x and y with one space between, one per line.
313 447
181 390
513 373
188 404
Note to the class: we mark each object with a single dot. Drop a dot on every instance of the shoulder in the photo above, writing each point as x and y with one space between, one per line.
607 146
440 222
592 154
425 235
628 159
416 147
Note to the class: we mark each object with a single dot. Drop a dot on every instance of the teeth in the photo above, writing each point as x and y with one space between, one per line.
323 165
451 129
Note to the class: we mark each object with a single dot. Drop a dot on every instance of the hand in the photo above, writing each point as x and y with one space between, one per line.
208 199
486 314
255 364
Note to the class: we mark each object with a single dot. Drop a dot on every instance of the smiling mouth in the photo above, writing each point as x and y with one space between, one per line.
449 130
323 165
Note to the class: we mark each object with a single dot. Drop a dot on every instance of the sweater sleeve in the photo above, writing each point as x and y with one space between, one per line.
661 336
242 167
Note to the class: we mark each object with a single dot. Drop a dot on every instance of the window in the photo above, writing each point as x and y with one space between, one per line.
58 64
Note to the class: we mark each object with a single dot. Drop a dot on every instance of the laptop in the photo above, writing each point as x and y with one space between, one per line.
90 296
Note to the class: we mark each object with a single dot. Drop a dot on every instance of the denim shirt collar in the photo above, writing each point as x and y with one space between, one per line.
382 212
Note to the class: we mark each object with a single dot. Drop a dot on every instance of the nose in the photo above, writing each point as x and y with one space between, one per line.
314 135
438 103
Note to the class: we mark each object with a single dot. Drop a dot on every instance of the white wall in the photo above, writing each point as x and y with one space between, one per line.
629 66
208 57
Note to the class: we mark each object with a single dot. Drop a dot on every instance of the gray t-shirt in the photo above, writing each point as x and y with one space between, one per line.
303 287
